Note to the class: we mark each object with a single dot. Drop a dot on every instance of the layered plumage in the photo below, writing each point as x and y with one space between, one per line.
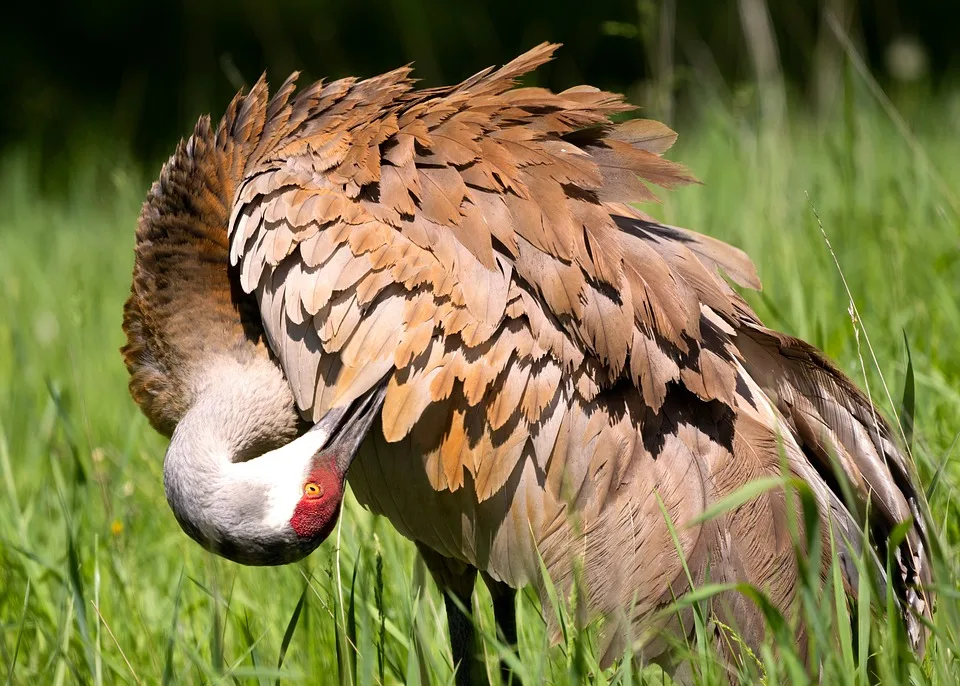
561 369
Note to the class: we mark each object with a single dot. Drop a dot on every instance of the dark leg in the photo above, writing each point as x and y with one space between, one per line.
505 612
462 639
456 580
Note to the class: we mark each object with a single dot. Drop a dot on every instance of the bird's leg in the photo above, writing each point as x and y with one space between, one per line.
456 580
463 640
505 612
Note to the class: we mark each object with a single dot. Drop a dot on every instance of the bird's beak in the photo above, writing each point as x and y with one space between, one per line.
347 426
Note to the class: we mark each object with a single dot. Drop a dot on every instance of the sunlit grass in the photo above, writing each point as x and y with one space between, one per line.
99 585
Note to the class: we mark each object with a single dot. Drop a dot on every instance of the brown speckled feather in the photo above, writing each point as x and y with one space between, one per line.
185 306
558 363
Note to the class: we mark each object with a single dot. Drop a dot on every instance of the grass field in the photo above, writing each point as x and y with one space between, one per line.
99 585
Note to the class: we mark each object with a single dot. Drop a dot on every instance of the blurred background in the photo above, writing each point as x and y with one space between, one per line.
144 71
806 120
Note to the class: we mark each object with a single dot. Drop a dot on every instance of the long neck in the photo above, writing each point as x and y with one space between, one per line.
230 491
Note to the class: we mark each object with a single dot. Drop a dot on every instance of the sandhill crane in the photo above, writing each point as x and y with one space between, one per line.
553 369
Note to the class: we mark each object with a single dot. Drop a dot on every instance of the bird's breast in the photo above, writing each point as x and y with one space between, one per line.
499 535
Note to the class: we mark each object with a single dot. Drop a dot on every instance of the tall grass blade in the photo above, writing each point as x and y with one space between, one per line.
844 626
699 612
291 627
378 599
216 632
555 600
698 595
414 652
352 645
97 653
76 586
343 676
10 482
16 646
80 476
251 642
908 399
739 497
941 466
168 676
782 634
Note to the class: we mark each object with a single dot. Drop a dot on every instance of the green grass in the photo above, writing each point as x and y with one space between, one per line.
99 585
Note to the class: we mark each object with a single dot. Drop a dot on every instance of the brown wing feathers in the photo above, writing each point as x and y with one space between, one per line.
475 245
459 195
184 308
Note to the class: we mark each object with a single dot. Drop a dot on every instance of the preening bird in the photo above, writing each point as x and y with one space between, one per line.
446 297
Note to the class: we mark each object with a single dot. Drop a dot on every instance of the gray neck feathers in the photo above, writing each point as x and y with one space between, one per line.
223 485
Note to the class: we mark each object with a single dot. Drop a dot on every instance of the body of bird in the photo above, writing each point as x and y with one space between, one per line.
558 377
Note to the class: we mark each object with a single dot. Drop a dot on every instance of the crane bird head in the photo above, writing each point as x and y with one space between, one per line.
275 507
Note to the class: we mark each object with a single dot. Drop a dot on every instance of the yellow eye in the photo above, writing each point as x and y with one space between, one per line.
312 490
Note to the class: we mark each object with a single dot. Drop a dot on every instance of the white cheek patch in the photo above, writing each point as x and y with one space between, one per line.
283 471
282 499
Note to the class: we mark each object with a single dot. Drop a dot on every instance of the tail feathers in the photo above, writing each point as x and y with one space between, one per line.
846 442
